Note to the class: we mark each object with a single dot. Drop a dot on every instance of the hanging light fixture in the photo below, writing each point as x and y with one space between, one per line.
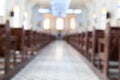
43 10
74 11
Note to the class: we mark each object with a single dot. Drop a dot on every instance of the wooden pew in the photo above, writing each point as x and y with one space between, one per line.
12 51
90 46
78 46
67 38
119 59
74 40
85 37
93 45
44 39
19 34
5 48
109 51
79 42
88 38
38 41
28 42
13 42
82 42
34 42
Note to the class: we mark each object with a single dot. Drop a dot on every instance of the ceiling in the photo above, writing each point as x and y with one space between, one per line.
75 4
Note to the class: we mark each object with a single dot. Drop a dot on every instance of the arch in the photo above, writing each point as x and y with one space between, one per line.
72 23
59 23
46 24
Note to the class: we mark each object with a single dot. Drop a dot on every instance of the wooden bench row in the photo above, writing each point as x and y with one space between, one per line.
101 48
18 45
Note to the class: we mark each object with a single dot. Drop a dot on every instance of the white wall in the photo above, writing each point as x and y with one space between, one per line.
97 7
86 18
19 21
111 6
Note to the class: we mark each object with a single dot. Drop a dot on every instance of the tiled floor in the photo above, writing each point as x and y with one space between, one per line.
58 61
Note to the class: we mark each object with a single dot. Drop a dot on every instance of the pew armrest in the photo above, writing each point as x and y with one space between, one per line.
101 56
90 50
91 39
101 41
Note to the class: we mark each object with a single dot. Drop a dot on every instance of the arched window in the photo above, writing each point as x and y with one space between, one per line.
59 24
72 23
46 24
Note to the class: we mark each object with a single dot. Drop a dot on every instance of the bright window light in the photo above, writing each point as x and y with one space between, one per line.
94 15
118 10
16 9
77 11
26 21
72 23
46 24
56 11
59 24
25 14
70 11
2 7
74 11
44 11
26 26
16 21
104 11
118 5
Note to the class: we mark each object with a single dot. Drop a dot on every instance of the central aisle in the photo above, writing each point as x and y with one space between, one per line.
58 61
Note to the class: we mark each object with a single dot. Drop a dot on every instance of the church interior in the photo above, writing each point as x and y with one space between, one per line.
59 39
